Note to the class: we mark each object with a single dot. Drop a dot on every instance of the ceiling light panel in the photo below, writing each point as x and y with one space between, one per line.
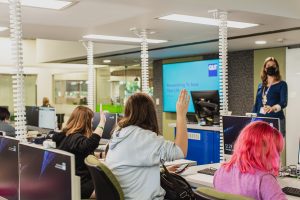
261 42
205 21
121 39
48 4
106 61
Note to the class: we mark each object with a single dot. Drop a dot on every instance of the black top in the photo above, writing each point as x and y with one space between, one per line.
81 147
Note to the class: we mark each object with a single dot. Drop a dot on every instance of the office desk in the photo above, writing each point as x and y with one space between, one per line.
203 143
196 179
44 131
181 161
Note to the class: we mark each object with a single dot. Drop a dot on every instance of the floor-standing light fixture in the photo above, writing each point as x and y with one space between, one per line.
223 72
91 74
144 59
17 57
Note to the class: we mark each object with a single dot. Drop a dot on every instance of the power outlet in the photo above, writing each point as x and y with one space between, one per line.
157 101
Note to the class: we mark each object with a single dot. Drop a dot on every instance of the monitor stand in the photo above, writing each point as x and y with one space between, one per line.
206 121
191 119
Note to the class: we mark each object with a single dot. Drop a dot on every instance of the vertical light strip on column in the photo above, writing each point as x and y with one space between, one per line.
144 62
91 75
18 79
223 70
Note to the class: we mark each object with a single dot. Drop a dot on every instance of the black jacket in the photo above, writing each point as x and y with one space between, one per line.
81 147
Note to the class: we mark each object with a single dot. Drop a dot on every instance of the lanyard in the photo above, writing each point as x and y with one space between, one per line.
264 95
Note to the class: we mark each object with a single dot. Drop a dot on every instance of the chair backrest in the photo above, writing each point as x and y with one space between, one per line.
206 193
105 183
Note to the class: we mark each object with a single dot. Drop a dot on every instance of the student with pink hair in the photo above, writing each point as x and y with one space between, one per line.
254 165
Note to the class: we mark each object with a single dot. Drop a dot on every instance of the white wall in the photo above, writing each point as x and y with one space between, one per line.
29 49
103 93
293 108
53 50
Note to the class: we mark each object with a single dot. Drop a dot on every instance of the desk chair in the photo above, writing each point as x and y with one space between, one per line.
205 193
105 183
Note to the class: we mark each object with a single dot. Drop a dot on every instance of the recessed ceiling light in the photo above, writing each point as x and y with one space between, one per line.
261 42
122 39
206 21
49 4
3 28
106 61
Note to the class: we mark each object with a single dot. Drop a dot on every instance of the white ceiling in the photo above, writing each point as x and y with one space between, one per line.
116 17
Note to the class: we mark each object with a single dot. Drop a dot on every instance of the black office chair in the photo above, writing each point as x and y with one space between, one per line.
60 120
205 193
105 183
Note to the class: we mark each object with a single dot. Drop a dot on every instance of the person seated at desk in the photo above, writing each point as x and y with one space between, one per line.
254 165
136 149
4 125
46 102
78 138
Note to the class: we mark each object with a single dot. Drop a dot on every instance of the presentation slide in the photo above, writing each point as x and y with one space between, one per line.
193 76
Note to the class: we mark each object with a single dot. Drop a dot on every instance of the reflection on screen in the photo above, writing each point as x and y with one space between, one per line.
232 126
9 171
44 175
111 120
32 115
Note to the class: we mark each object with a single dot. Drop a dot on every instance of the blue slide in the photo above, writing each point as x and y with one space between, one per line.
193 76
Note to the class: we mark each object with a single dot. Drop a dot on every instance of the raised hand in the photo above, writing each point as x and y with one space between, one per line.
182 102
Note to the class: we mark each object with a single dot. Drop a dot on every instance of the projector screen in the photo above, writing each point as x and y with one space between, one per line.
193 76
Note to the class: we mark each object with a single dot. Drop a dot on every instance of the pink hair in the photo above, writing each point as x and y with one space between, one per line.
258 147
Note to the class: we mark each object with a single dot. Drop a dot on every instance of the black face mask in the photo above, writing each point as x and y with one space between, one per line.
271 71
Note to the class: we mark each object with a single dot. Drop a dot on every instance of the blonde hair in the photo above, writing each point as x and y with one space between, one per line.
80 121
45 101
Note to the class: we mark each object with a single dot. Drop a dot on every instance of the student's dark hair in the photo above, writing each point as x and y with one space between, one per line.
4 114
263 74
140 111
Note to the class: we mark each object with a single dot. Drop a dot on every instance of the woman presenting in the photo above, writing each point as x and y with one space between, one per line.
272 93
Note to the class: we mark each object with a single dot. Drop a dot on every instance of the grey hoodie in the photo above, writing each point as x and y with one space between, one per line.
134 157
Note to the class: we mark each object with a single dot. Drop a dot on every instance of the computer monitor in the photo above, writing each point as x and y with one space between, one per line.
47 118
232 126
47 174
206 104
32 115
111 121
9 168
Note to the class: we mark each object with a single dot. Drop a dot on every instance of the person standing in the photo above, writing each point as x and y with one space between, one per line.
272 93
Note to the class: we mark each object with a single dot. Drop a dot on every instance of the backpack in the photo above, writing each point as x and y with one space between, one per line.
176 187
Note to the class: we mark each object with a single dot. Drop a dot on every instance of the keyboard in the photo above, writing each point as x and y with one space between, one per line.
208 171
43 131
291 191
